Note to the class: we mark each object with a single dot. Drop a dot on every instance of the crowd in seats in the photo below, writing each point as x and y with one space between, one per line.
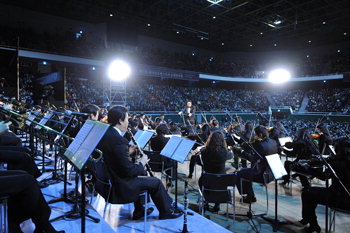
83 91
291 98
336 129
172 98
329 100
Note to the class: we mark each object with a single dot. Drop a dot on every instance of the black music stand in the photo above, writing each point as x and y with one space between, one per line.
77 154
177 150
278 172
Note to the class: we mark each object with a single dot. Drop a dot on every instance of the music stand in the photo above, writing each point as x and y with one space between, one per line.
177 150
77 154
142 137
278 172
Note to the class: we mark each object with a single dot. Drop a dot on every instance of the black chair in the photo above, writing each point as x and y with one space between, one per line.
214 188
3 214
103 186
159 163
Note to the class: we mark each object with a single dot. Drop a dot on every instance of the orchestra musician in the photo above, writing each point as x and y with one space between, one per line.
214 156
301 150
324 139
205 132
26 200
263 146
189 112
129 179
336 196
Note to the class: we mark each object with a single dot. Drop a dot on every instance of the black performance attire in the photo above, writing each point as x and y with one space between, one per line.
214 162
158 142
301 150
26 201
187 111
129 179
335 194
259 165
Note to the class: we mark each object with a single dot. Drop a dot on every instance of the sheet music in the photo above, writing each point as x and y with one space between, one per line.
171 146
284 140
144 138
79 139
183 150
44 120
136 136
276 166
85 142
30 117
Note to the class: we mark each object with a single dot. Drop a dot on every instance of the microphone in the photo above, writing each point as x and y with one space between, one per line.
68 112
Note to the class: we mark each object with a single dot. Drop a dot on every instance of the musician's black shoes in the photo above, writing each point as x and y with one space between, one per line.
139 214
285 182
303 222
216 208
170 215
312 228
249 200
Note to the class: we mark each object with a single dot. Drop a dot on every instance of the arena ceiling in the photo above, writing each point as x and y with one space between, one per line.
228 25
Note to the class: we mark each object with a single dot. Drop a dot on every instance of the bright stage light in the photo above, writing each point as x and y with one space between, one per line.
279 76
118 70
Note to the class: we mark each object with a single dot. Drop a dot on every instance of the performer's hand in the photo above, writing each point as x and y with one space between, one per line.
4 127
190 114
144 159
132 149
180 113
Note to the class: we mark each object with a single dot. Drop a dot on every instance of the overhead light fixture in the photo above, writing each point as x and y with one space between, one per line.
261 33
214 17
277 22
275 45
111 15
344 33
149 25
251 45
222 43
309 41
215 1
271 25
324 22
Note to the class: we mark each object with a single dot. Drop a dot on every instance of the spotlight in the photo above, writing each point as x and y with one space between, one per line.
279 76
118 70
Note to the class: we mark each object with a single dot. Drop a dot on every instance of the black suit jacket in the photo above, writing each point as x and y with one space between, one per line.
264 148
214 161
192 111
116 156
158 142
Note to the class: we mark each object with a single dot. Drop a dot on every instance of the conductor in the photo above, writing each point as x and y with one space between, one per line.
189 112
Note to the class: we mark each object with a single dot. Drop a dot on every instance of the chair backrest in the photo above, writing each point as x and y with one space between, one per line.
156 161
103 184
268 176
214 186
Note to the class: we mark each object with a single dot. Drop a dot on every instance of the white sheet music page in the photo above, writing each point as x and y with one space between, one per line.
79 139
183 150
144 138
136 136
276 166
171 146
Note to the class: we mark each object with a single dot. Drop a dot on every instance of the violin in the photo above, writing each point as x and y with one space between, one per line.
316 136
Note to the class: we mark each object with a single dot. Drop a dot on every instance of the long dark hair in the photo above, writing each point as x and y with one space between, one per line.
216 141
